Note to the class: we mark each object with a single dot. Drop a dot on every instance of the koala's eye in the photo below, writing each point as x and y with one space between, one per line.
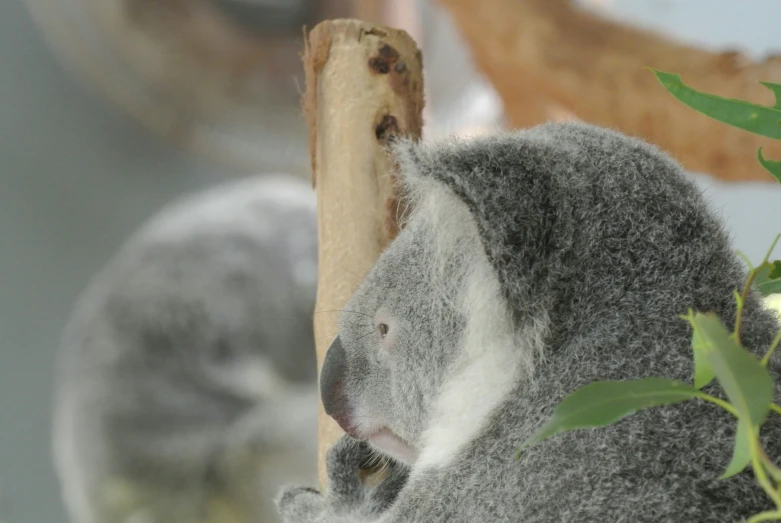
387 328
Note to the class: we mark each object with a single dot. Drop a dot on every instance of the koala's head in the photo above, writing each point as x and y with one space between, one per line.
219 286
384 369
450 318
422 333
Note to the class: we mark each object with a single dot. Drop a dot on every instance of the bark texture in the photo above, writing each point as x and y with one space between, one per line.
364 84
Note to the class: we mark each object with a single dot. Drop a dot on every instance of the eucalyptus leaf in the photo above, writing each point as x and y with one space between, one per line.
703 374
767 277
771 166
758 119
775 270
741 455
745 381
762 274
606 402
770 287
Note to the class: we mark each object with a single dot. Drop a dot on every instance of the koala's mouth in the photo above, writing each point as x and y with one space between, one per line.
389 443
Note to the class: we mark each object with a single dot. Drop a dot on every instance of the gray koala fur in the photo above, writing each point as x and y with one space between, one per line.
536 262
186 385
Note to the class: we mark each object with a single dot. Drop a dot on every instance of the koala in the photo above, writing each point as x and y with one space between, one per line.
186 385
533 263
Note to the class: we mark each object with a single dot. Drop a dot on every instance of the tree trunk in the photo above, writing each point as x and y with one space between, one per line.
364 84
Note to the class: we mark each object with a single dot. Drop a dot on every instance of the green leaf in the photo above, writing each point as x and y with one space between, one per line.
703 374
745 260
738 299
768 278
776 88
770 287
741 455
605 402
771 166
758 119
775 270
745 381
762 274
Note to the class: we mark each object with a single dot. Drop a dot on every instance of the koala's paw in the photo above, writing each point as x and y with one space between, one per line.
346 490
384 495
300 505
343 464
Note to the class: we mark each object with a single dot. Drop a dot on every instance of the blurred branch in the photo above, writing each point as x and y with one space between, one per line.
195 72
549 59
364 84
370 11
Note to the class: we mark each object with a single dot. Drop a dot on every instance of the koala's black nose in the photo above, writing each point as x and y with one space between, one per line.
332 380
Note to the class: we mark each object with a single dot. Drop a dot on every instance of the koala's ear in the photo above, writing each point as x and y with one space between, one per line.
408 154
417 172
506 184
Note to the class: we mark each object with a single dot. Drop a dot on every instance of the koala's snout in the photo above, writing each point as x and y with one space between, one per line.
332 394
332 377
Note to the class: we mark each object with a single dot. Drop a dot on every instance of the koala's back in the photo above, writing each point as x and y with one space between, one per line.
232 267
624 244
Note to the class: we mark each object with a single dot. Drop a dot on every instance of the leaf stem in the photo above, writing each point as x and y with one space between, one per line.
773 515
761 473
770 250
772 349
752 274
729 408
771 467
721 403
745 259
741 303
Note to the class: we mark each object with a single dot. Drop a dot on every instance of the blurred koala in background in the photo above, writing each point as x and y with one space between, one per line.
186 387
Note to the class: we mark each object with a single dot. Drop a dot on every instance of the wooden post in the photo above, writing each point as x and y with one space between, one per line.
364 84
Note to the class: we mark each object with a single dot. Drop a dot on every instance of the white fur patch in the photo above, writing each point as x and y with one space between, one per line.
495 354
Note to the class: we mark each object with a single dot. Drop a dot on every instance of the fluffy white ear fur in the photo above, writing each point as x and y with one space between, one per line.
495 353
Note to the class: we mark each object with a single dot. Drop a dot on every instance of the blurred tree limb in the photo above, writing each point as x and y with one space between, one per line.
550 59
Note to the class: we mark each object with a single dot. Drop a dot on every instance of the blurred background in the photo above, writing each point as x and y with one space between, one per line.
100 128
